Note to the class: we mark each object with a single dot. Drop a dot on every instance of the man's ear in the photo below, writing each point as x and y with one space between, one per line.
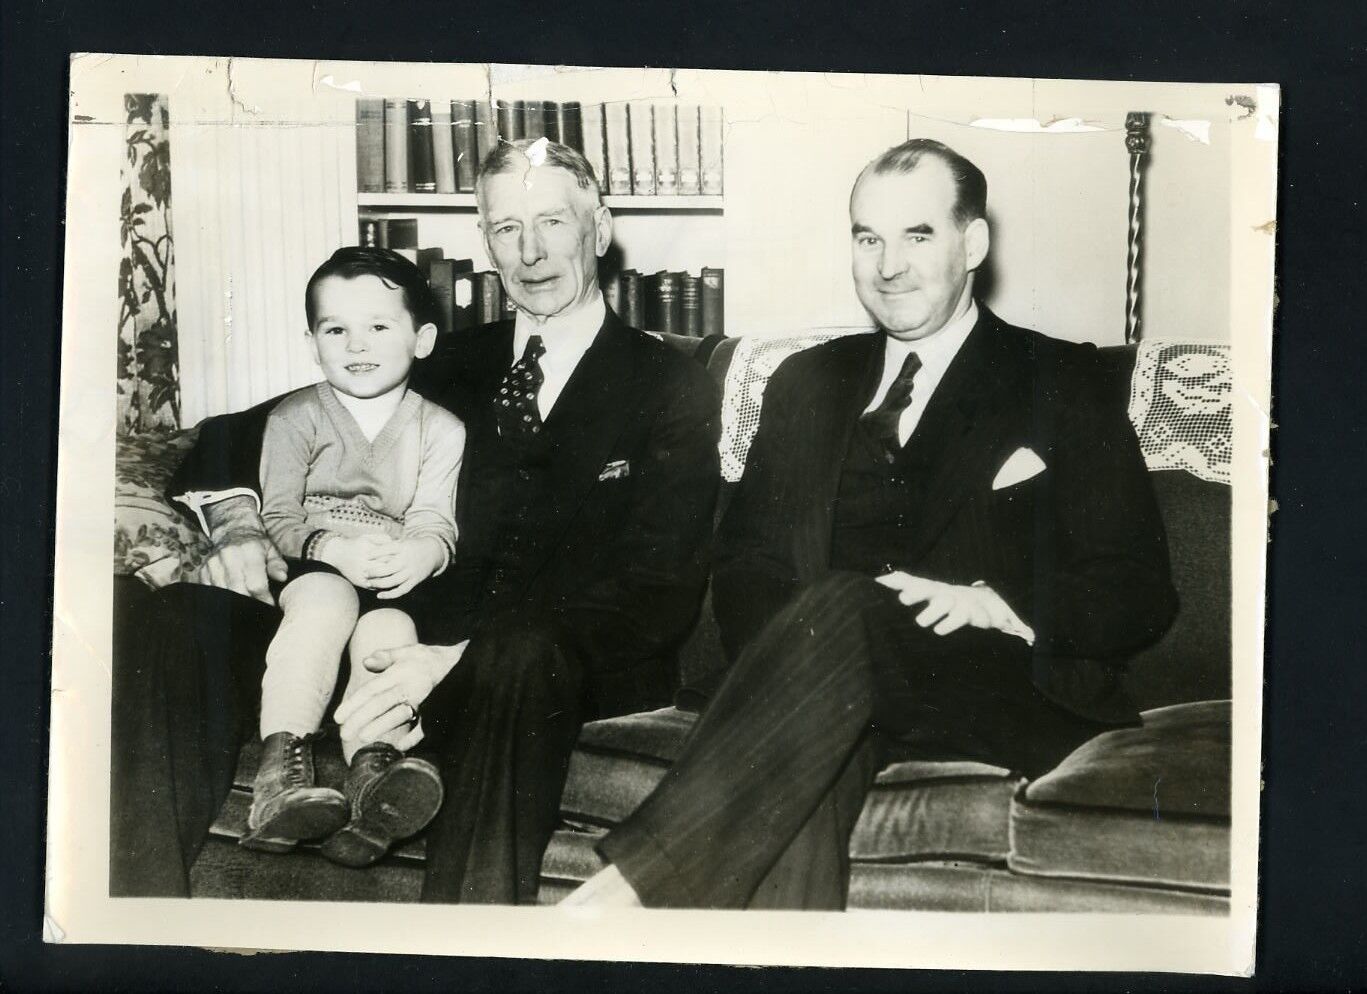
977 240
602 225
427 341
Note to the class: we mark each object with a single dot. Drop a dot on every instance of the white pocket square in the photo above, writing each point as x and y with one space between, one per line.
618 470
1021 466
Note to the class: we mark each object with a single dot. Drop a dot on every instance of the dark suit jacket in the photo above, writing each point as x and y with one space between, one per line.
1078 551
626 557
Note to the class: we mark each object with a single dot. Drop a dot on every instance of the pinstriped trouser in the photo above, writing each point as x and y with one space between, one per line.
759 808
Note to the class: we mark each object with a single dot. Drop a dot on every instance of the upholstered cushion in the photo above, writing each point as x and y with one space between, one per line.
1146 804
915 810
151 540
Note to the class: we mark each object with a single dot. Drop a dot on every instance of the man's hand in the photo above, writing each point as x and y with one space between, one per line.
950 607
405 564
406 678
244 558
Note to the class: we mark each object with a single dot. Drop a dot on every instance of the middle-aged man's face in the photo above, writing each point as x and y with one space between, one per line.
545 236
912 260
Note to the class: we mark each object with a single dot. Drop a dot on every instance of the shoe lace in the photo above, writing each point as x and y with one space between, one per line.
294 762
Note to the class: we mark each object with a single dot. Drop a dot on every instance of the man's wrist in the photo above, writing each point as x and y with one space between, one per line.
233 519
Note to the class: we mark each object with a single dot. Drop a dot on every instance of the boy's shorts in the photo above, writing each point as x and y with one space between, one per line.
417 603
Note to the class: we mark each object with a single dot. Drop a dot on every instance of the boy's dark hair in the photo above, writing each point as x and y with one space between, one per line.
396 271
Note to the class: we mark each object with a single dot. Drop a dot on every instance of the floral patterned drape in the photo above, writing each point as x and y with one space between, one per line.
148 374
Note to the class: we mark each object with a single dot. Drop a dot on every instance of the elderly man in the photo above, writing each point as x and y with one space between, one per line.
944 546
584 510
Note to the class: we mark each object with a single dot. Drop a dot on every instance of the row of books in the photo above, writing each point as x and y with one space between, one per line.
436 146
675 302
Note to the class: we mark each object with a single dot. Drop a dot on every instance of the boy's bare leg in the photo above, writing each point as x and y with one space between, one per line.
302 660
384 628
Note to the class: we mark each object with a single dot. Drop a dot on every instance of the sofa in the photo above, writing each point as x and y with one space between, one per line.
1134 820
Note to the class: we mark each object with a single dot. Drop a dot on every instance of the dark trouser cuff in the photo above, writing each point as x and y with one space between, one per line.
643 861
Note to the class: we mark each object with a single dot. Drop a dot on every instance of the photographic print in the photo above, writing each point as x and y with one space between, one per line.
745 517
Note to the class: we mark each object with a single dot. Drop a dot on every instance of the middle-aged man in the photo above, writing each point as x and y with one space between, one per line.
584 510
945 545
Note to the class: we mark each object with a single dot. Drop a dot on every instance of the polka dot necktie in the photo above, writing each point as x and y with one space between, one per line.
515 406
884 419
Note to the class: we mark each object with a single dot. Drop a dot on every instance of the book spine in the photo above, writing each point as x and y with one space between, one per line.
464 313
463 131
713 319
710 131
650 302
666 151
370 145
489 307
690 165
401 236
671 304
441 277
396 146
370 235
690 305
617 134
421 163
629 296
443 147
509 114
486 132
594 148
642 150
533 119
571 125
550 121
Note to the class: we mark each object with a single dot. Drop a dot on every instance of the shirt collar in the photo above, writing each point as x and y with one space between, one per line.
937 351
568 333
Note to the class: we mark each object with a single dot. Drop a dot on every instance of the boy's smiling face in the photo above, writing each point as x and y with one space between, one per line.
363 336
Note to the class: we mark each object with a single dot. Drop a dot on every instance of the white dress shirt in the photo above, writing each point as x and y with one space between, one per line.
566 338
936 351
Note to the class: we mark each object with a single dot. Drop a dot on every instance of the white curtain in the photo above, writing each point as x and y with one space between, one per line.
258 205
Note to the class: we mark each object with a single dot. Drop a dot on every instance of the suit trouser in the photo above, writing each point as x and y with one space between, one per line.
759 809
503 723
188 662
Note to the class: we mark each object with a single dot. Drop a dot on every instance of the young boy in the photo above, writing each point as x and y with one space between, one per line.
358 478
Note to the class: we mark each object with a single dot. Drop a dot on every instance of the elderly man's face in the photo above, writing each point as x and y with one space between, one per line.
545 235
911 258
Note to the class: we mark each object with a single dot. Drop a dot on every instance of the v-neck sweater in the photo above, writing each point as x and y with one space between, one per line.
319 471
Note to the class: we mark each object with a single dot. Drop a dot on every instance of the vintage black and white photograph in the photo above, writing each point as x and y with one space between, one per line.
631 496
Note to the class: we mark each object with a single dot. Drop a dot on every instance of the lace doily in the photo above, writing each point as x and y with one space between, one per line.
1180 407
752 363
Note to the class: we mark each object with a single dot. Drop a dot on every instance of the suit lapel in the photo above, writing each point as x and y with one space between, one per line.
959 434
845 383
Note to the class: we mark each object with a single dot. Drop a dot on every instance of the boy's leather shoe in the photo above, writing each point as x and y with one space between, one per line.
286 804
392 797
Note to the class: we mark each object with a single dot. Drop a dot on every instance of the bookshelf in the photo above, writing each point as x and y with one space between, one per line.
380 203
665 241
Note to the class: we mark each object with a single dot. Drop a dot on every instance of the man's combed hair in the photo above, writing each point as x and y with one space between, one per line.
396 272
508 156
970 202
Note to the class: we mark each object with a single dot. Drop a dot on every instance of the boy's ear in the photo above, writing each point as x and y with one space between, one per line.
427 341
313 347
